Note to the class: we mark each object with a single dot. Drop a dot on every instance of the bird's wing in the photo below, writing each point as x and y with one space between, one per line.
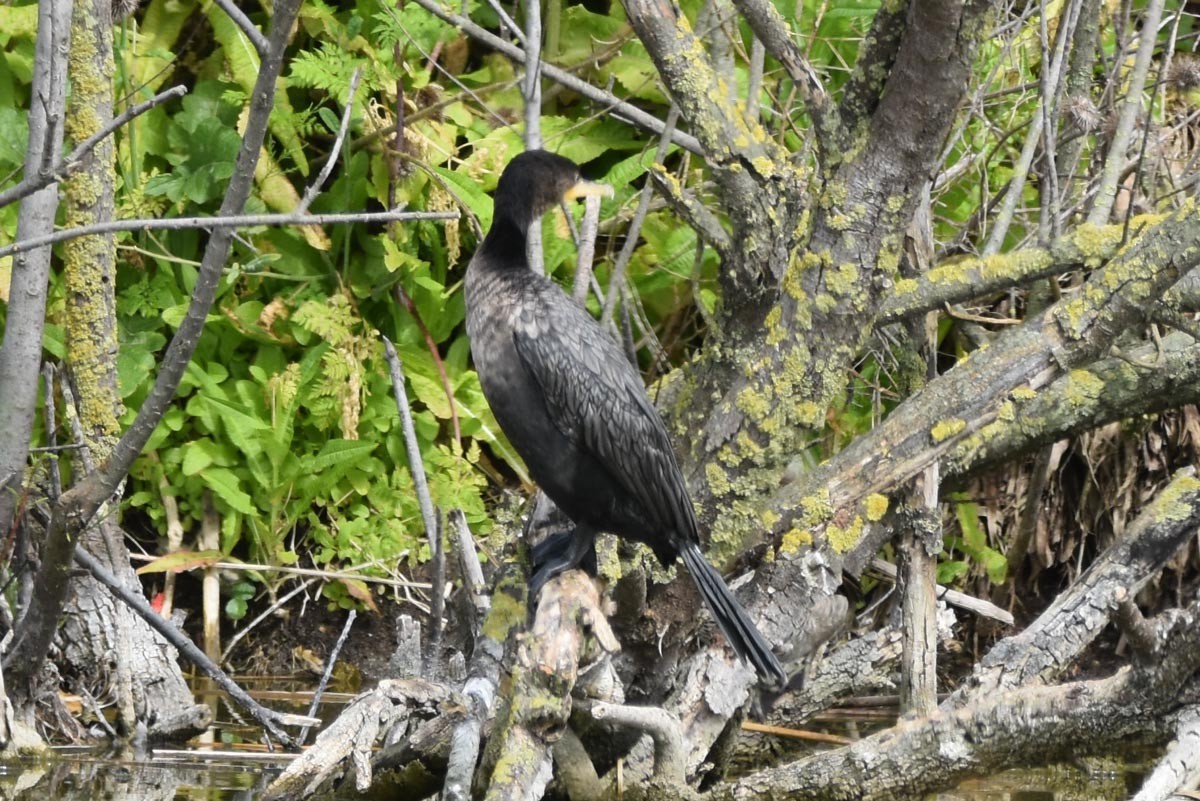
596 398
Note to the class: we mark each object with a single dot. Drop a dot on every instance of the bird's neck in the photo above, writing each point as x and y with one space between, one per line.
505 241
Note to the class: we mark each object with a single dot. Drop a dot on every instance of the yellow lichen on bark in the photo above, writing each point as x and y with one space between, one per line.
89 261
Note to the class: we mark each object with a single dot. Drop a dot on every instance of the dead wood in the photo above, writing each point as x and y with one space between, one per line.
991 731
569 632
1179 769
350 740
1079 614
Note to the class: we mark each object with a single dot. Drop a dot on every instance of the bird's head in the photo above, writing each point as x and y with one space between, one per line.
537 180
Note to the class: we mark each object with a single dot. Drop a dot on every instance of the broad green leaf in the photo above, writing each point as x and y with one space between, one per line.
224 484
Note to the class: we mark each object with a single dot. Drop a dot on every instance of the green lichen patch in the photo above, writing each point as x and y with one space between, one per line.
877 506
507 613
843 538
1082 388
944 429
794 540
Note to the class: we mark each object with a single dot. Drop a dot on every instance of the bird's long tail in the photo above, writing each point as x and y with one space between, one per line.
732 618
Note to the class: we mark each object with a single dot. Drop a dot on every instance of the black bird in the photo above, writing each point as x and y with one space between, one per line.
576 409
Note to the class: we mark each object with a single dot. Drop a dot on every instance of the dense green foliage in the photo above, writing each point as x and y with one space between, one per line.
286 416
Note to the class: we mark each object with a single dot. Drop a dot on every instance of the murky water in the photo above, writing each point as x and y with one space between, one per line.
74 776
230 771
77 776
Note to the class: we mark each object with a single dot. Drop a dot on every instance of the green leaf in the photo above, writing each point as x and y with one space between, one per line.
225 485
196 457
240 424
337 452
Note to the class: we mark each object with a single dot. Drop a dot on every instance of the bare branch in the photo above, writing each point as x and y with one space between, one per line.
245 25
222 222
772 31
21 349
1114 164
635 225
586 246
1145 380
310 194
70 164
416 466
618 108
531 91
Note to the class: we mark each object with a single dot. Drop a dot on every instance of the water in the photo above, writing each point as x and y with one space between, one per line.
77 775
73 775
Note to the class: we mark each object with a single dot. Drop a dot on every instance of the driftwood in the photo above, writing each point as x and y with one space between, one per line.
350 740
996 730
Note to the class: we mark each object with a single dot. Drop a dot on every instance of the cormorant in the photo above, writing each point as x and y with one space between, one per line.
576 409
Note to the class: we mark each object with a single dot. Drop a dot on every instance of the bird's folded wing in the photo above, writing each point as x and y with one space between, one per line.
597 400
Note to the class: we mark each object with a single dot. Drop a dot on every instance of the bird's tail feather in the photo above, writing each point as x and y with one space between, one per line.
745 639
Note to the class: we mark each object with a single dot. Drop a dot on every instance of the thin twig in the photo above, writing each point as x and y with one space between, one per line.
1053 73
953 597
416 466
1114 163
266 613
229 221
618 108
586 247
310 194
324 682
269 719
796 734
507 21
245 25
328 575
635 225
64 167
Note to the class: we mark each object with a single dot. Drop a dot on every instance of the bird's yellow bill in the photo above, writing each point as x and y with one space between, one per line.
587 189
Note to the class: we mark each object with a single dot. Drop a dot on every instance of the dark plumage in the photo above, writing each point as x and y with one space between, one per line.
576 409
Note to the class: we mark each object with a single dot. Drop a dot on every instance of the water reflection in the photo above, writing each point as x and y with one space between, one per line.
76 775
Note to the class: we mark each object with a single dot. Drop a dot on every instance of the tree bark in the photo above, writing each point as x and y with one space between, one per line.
21 348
